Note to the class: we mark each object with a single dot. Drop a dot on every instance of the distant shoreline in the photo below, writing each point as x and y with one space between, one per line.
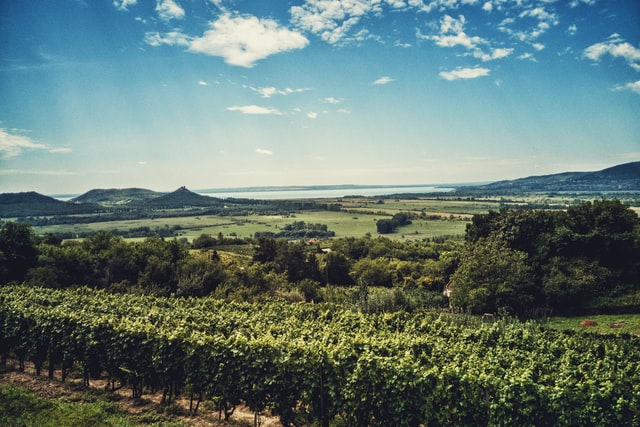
309 191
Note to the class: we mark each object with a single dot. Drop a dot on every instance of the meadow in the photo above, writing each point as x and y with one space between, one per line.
357 218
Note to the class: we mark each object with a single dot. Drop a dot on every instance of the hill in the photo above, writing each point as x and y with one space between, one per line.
14 205
181 198
117 196
624 177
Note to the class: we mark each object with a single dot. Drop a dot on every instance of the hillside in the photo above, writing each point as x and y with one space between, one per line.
116 196
625 177
181 198
13 205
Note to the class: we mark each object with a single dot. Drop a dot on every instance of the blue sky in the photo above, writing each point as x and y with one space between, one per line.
233 93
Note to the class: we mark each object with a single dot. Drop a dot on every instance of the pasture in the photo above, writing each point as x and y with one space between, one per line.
433 219
600 324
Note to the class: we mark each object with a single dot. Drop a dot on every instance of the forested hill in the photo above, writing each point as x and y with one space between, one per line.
181 198
35 204
14 205
142 198
625 177
116 196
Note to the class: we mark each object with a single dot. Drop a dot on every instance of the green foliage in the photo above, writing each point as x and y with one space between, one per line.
567 259
18 252
19 407
492 277
373 272
320 362
386 226
298 230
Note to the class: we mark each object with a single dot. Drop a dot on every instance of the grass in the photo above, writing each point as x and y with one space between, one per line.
21 407
354 223
605 324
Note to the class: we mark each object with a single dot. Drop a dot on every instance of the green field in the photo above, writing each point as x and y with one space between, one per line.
356 219
604 324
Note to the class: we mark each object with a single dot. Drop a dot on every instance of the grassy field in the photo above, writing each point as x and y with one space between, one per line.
604 324
356 219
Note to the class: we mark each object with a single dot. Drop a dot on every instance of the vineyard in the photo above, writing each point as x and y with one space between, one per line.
315 363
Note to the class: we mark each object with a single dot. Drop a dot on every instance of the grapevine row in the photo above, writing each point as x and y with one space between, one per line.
314 363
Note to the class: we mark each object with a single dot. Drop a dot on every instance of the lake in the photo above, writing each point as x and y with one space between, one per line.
319 193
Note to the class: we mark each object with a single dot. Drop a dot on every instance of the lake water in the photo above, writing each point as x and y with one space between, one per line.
304 193
323 193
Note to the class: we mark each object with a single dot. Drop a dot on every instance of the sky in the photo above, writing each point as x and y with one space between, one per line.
206 94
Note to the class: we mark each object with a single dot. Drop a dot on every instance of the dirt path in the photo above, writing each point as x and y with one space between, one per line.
149 404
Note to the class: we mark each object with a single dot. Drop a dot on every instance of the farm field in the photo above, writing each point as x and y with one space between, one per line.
436 218
601 324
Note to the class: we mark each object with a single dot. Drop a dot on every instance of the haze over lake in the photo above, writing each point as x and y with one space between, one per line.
311 193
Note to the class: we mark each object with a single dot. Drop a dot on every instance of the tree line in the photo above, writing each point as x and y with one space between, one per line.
519 262
523 261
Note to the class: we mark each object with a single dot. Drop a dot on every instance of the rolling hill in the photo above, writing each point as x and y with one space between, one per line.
624 177
13 205
116 196
181 198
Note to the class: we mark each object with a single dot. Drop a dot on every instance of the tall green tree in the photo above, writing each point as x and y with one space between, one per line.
18 251
492 277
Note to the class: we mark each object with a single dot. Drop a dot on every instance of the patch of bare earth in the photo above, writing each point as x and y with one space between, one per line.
73 390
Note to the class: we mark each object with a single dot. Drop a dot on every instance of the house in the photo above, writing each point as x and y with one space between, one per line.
448 288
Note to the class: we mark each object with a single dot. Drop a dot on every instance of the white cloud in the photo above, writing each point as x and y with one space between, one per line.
488 7
254 109
268 92
172 38
452 34
495 54
333 20
203 83
465 73
633 87
60 150
36 172
617 48
332 100
12 145
383 80
529 56
264 152
572 30
124 4
312 115
169 9
542 18
243 40
576 3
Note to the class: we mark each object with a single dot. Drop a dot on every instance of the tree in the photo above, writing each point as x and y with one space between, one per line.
573 256
18 251
336 269
199 276
572 283
385 226
266 250
373 272
492 277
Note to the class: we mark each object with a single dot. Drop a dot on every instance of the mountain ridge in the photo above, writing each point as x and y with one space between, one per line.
623 177
116 196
